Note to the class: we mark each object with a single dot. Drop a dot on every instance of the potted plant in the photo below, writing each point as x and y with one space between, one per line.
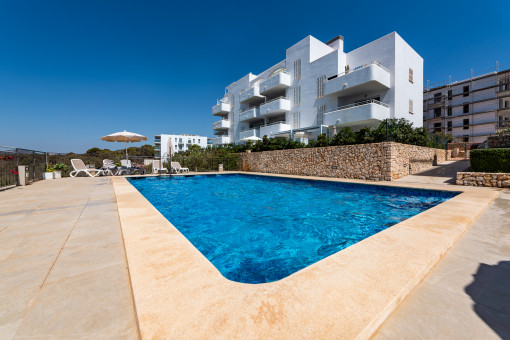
59 167
49 173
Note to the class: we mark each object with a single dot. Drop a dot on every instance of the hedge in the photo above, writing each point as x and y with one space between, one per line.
490 160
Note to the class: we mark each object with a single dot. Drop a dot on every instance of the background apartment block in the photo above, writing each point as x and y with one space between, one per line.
163 143
319 88
470 110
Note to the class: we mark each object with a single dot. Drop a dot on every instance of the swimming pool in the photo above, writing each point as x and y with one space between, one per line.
257 229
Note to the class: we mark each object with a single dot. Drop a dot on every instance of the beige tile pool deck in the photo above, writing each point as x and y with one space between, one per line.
63 273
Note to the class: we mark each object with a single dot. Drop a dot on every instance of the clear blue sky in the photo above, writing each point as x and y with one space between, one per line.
72 71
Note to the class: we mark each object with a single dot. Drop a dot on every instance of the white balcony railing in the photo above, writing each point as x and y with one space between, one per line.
223 124
251 94
249 133
278 82
366 78
275 107
221 109
364 112
250 114
273 129
220 140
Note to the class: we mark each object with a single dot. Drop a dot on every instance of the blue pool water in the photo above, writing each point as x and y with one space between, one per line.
258 229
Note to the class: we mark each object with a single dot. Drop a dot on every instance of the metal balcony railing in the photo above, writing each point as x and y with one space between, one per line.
364 102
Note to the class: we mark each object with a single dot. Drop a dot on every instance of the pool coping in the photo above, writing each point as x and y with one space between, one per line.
179 293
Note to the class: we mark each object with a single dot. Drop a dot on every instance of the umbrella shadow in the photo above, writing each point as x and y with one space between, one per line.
490 292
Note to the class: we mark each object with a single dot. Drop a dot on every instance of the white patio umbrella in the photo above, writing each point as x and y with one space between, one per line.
253 138
124 137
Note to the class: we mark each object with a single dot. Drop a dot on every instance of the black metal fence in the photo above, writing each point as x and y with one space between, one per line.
11 158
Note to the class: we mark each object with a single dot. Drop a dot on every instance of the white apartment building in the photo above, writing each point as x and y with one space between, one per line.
319 88
470 110
163 143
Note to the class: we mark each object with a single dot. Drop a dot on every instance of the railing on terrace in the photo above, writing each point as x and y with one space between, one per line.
360 67
276 123
205 164
272 100
250 129
251 108
360 103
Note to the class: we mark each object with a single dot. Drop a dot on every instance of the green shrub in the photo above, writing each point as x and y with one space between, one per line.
490 160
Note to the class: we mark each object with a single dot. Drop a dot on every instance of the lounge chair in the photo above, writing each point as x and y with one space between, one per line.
79 166
157 167
176 166
109 167
127 167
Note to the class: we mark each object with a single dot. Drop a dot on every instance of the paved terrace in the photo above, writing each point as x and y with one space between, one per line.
63 272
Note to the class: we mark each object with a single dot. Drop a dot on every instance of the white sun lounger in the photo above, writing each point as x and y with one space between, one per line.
157 167
176 166
79 166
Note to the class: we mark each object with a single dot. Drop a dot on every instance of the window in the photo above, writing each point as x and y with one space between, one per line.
504 104
176 140
450 111
296 95
193 140
450 94
465 139
411 75
199 141
465 124
297 69
465 108
189 141
297 119
465 91
449 126
437 97
320 114
437 112
180 140
437 127
411 111
320 86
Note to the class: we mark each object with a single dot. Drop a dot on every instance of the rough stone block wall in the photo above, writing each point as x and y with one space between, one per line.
484 179
378 161
409 159
502 141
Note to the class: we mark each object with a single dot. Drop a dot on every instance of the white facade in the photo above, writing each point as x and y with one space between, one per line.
470 110
162 143
319 88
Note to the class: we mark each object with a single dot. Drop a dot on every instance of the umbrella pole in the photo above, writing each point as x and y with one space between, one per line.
126 152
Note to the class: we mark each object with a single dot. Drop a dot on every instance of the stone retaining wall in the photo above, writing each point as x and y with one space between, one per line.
378 161
484 179
501 141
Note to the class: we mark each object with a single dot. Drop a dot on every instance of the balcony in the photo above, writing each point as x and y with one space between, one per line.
249 115
221 109
371 77
251 95
366 112
276 83
273 129
223 124
249 133
275 107
220 140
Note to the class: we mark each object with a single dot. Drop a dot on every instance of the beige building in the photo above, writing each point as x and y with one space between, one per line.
470 110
